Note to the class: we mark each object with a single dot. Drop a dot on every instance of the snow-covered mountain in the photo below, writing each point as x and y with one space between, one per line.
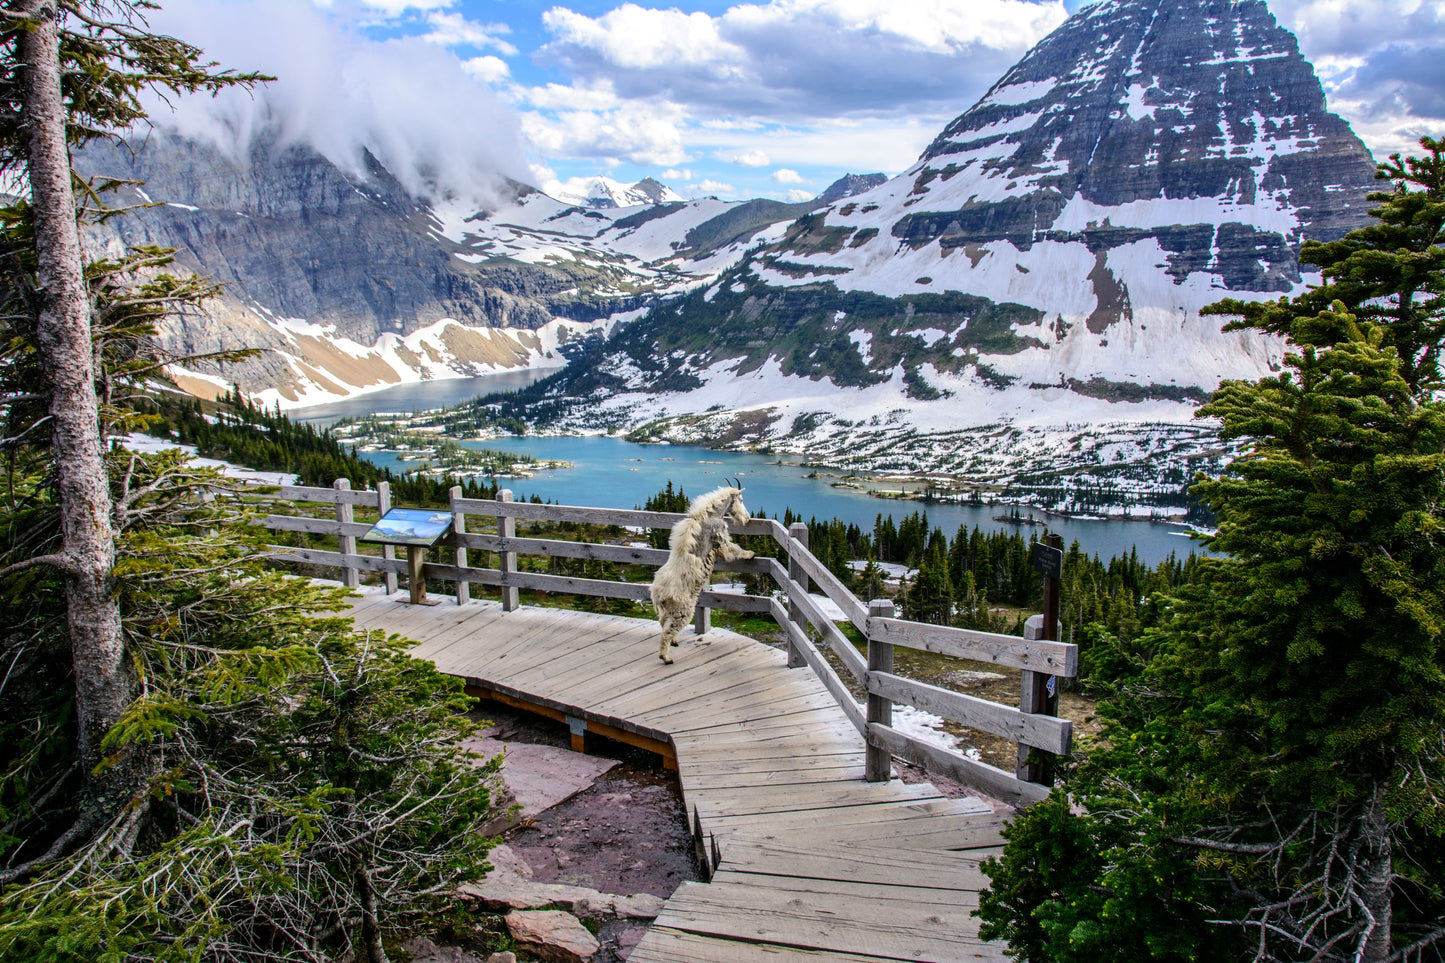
602 193
1035 280
351 284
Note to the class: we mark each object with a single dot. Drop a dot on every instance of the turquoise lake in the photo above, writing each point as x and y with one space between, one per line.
614 473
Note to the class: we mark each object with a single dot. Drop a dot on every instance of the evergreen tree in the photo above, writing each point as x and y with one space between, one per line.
1270 783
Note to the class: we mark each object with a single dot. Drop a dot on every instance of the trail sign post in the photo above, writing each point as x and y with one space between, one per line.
1040 691
418 530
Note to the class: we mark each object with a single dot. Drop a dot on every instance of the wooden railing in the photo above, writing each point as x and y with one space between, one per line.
801 618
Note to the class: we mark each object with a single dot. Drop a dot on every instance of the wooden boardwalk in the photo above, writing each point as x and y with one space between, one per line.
810 863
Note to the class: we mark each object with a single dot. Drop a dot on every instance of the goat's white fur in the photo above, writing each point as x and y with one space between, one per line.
697 542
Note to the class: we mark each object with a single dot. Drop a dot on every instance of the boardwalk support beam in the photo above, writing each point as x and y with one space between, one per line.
507 561
798 532
878 763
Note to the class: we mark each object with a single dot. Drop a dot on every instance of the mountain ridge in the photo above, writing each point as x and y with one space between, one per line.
1040 270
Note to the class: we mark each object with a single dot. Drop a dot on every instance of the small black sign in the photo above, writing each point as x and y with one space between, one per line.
1048 561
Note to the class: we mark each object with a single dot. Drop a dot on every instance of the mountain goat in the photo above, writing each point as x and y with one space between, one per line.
697 541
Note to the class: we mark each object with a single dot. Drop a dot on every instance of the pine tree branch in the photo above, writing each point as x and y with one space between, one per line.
59 560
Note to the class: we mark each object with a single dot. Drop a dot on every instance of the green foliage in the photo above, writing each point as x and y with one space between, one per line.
302 766
1270 781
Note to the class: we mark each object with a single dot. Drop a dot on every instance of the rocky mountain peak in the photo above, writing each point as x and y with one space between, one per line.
849 185
1151 104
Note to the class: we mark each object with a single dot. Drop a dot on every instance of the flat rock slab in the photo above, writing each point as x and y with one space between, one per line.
423 950
542 776
553 936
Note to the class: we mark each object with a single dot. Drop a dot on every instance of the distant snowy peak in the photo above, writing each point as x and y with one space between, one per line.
603 193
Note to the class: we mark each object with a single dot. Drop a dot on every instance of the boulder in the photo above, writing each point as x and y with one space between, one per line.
553 936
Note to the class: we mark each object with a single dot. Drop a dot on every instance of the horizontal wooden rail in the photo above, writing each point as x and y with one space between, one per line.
1042 732
319 556
313 526
1051 658
992 781
621 517
332 496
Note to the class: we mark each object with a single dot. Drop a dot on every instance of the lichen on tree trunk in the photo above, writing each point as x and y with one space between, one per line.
103 685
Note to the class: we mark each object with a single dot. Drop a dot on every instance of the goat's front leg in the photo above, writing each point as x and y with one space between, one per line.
731 551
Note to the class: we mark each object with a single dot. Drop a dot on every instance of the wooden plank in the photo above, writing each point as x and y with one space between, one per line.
1053 658
626 518
979 775
858 862
742 705
814 889
316 556
976 834
702 780
665 945
818 799
785 716
331 496
610 694
313 526
1045 732
839 924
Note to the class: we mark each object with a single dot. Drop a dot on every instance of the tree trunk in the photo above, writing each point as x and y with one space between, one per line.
103 683
1377 877
371 949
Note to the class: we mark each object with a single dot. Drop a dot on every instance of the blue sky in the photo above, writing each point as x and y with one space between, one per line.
769 98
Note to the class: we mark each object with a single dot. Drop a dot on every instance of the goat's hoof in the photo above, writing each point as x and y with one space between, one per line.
666 661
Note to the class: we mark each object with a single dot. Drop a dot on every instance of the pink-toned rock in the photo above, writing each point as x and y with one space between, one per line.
506 957
553 936
639 906
423 950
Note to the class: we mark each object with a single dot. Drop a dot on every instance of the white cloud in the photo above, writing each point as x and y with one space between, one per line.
802 59
673 174
345 94
635 37
645 134
710 187
1382 63
490 69
784 175
796 196
395 8
747 158
454 30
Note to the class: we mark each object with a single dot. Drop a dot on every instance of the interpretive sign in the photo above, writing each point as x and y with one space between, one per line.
410 526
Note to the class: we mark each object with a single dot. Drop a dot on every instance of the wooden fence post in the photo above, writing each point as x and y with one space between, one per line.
507 561
878 761
1039 691
798 532
383 505
702 619
351 576
459 527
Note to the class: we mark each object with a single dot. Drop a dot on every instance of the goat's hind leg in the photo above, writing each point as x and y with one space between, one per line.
670 627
